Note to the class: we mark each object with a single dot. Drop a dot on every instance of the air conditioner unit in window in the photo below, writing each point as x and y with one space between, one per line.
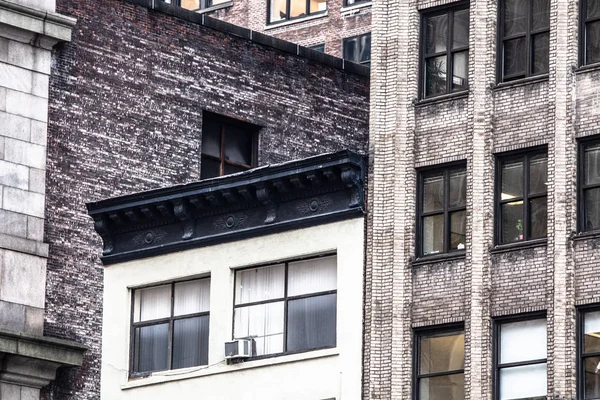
239 349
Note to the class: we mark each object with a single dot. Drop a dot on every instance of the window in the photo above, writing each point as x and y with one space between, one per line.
287 307
318 47
195 5
348 3
440 364
170 326
522 197
589 185
284 10
445 44
520 359
442 210
589 354
228 146
358 49
590 31
524 34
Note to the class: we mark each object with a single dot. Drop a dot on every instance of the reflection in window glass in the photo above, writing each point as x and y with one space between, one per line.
590 354
358 49
279 11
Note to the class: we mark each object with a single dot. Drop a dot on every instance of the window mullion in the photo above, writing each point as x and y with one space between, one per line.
288 9
307 5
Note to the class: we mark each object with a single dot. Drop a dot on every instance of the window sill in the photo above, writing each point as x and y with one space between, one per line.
215 7
595 234
521 82
441 98
435 258
222 367
355 8
529 244
587 68
276 25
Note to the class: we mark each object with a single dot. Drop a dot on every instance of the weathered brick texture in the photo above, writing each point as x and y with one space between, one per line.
126 103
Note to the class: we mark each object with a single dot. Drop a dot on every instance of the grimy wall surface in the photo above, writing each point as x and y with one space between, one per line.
126 103
487 282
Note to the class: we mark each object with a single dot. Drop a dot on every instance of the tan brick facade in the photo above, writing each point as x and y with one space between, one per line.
489 281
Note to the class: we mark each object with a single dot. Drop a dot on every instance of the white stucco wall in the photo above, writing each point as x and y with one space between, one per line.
320 374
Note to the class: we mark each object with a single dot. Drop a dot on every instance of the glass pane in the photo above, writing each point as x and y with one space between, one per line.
311 323
319 47
458 229
460 71
447 387
592 377
515 17
350 49
259 284
458 188
209 168
365 48
210 3
523 341
263 323
512 180
277 10
151 348
312 276
297 8
591 329
211 138
515 57
232 169
538 218
541 15
152 303
591 156
538 174
192 297
436 37
238 145
435 76
190 4
540 52
523 382
461 29
593 8
442 353
592 42
512 221
433 234
190 342
318 5
592 209
433 193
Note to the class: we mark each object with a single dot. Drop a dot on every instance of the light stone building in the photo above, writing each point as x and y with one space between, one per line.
482 245
28 360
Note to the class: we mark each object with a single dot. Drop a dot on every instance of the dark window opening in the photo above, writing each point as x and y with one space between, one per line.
228 146
440 365
358 49
196 5
287 307
284 10
524 38
348 3
445 50
318 47
590 31
170 326
589 185
442 210
522 197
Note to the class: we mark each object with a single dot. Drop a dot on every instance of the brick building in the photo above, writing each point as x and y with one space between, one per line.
484 139
132 98
338 27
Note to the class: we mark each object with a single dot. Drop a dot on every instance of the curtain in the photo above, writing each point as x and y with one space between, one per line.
311 323
190 342
523 341
312 276
152 344
192 297
263 323
260 284
152 303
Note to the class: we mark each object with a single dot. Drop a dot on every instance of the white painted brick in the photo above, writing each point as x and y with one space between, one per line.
25 153
24 202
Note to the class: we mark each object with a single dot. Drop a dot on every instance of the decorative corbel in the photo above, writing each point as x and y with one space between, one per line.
183 212
353 180
101 226
265 196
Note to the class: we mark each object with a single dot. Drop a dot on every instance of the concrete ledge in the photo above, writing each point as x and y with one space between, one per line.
33 360
45 28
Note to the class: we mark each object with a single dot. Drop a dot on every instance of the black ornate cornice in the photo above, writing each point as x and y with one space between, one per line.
261 201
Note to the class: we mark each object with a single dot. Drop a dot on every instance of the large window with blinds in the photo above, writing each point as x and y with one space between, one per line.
287 307
170 326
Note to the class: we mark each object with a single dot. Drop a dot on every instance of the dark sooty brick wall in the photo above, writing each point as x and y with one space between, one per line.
126 104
